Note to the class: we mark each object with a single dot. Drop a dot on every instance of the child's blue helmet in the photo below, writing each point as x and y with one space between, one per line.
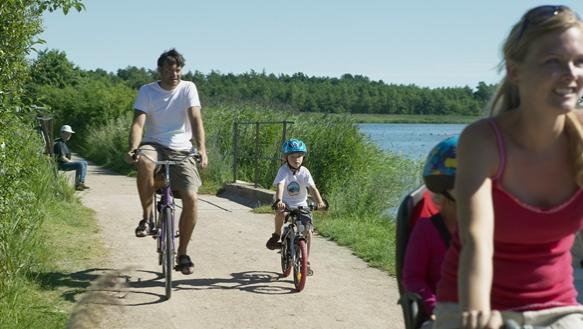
441 165
293 146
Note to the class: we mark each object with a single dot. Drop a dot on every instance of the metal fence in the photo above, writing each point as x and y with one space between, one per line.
256 154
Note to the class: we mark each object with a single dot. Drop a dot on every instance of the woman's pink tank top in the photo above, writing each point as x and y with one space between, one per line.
532 259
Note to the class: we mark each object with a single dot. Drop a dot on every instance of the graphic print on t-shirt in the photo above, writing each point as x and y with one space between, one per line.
293 188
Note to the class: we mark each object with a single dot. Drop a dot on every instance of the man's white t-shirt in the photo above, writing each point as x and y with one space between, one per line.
167 120
295 192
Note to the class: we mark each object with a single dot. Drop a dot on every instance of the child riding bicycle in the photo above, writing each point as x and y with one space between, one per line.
430 236
292 182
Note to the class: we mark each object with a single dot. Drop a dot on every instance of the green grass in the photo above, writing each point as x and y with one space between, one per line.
69 245
265 209
371 238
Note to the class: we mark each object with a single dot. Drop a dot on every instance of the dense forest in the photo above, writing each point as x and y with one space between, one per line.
298 92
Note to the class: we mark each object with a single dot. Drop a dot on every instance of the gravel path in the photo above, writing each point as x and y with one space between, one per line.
236 283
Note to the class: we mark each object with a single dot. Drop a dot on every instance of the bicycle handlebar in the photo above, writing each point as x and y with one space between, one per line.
511 324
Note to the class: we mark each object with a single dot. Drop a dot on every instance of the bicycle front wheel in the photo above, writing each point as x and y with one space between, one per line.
286 259
300 265
168 250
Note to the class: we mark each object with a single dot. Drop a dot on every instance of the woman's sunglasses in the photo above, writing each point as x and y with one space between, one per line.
538 15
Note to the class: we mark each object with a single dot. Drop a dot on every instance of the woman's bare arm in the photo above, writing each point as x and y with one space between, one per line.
477 163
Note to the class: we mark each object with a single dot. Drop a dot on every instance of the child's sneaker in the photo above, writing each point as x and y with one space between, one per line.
273 242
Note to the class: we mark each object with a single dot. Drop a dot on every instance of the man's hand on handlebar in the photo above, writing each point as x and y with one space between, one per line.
131 157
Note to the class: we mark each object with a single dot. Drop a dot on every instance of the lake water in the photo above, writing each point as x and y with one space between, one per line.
411 140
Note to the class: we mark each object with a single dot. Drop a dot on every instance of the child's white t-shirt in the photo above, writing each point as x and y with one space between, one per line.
167 121
295 192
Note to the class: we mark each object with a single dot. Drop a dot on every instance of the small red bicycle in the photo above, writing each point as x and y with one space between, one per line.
294 250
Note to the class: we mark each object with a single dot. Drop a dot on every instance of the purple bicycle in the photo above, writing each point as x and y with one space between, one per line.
164 228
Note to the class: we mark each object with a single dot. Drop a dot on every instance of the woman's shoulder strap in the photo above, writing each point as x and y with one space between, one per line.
501 148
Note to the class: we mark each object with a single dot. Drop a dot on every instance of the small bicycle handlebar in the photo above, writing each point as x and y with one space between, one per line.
311 206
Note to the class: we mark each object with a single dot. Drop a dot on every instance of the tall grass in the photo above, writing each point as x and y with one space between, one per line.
30 189
362 183
106 144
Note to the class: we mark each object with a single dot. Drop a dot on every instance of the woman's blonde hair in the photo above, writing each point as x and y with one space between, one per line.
575 134
535 23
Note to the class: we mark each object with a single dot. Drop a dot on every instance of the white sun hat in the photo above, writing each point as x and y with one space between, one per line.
67 129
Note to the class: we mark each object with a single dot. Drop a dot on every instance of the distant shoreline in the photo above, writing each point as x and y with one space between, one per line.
402 118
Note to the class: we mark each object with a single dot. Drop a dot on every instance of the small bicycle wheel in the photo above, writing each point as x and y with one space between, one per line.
168 250
286 261
300 265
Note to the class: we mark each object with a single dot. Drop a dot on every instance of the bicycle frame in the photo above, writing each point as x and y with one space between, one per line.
296 226
166 232
166 201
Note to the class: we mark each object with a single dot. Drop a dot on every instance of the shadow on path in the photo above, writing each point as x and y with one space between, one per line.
128 287
259 282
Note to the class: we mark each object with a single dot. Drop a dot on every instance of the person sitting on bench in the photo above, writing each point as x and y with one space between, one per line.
64 162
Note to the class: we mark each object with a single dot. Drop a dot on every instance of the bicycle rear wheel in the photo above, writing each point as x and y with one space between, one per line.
300 265
168 250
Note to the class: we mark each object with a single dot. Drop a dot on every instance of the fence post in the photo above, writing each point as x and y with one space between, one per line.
256 154
235 149
283 138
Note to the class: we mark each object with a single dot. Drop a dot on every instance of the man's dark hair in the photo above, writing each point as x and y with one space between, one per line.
171 57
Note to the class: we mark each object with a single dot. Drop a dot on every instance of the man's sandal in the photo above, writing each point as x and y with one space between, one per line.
184 265
143 228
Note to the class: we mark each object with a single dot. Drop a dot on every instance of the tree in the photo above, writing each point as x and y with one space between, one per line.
136 77
52 68
484 91
20 22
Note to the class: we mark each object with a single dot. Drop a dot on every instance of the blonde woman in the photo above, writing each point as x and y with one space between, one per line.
519 187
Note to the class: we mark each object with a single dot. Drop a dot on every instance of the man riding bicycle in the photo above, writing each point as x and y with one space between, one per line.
170 113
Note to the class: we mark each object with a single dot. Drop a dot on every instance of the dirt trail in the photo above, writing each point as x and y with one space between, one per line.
236 283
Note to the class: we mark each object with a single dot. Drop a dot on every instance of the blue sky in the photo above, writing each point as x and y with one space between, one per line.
427 43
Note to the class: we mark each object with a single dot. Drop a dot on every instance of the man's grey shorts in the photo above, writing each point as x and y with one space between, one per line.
183 176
